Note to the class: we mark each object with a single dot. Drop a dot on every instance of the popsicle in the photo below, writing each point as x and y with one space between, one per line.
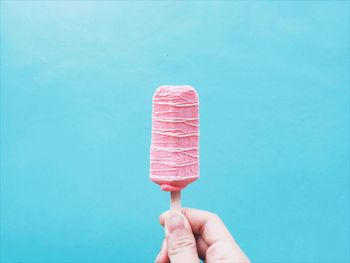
175 138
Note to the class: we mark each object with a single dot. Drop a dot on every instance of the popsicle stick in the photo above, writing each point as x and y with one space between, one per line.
175 203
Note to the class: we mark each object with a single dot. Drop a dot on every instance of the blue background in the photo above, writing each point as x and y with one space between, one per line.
77 80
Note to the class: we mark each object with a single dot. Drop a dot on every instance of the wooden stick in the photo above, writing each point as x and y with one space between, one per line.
175 203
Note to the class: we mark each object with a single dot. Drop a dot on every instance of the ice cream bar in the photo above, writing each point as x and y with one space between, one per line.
175 137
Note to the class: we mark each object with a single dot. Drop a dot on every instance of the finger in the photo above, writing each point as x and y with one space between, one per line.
202 248
180 241
205 224
220 243
162 256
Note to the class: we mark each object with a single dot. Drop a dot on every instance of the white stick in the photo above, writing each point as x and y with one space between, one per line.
175 203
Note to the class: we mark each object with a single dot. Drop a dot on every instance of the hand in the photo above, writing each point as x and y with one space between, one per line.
196 234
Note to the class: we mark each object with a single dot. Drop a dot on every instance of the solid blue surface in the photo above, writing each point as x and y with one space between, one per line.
77 80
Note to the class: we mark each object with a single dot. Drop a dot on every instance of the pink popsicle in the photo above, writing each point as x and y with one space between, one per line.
175 137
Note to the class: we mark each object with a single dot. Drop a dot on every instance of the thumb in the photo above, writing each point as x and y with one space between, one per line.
180 240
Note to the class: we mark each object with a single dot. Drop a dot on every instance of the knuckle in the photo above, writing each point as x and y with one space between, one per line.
180 245
215 217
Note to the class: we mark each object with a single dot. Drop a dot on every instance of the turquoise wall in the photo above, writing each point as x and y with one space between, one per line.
77 79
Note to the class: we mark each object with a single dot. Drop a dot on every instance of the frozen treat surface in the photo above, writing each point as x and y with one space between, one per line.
175 137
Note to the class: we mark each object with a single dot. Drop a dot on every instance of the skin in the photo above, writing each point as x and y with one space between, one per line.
193 235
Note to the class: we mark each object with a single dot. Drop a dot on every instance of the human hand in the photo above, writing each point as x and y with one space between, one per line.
197 234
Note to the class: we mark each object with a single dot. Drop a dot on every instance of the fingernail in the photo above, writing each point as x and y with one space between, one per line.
175 222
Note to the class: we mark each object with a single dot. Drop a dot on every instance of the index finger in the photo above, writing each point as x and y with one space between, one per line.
208 225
